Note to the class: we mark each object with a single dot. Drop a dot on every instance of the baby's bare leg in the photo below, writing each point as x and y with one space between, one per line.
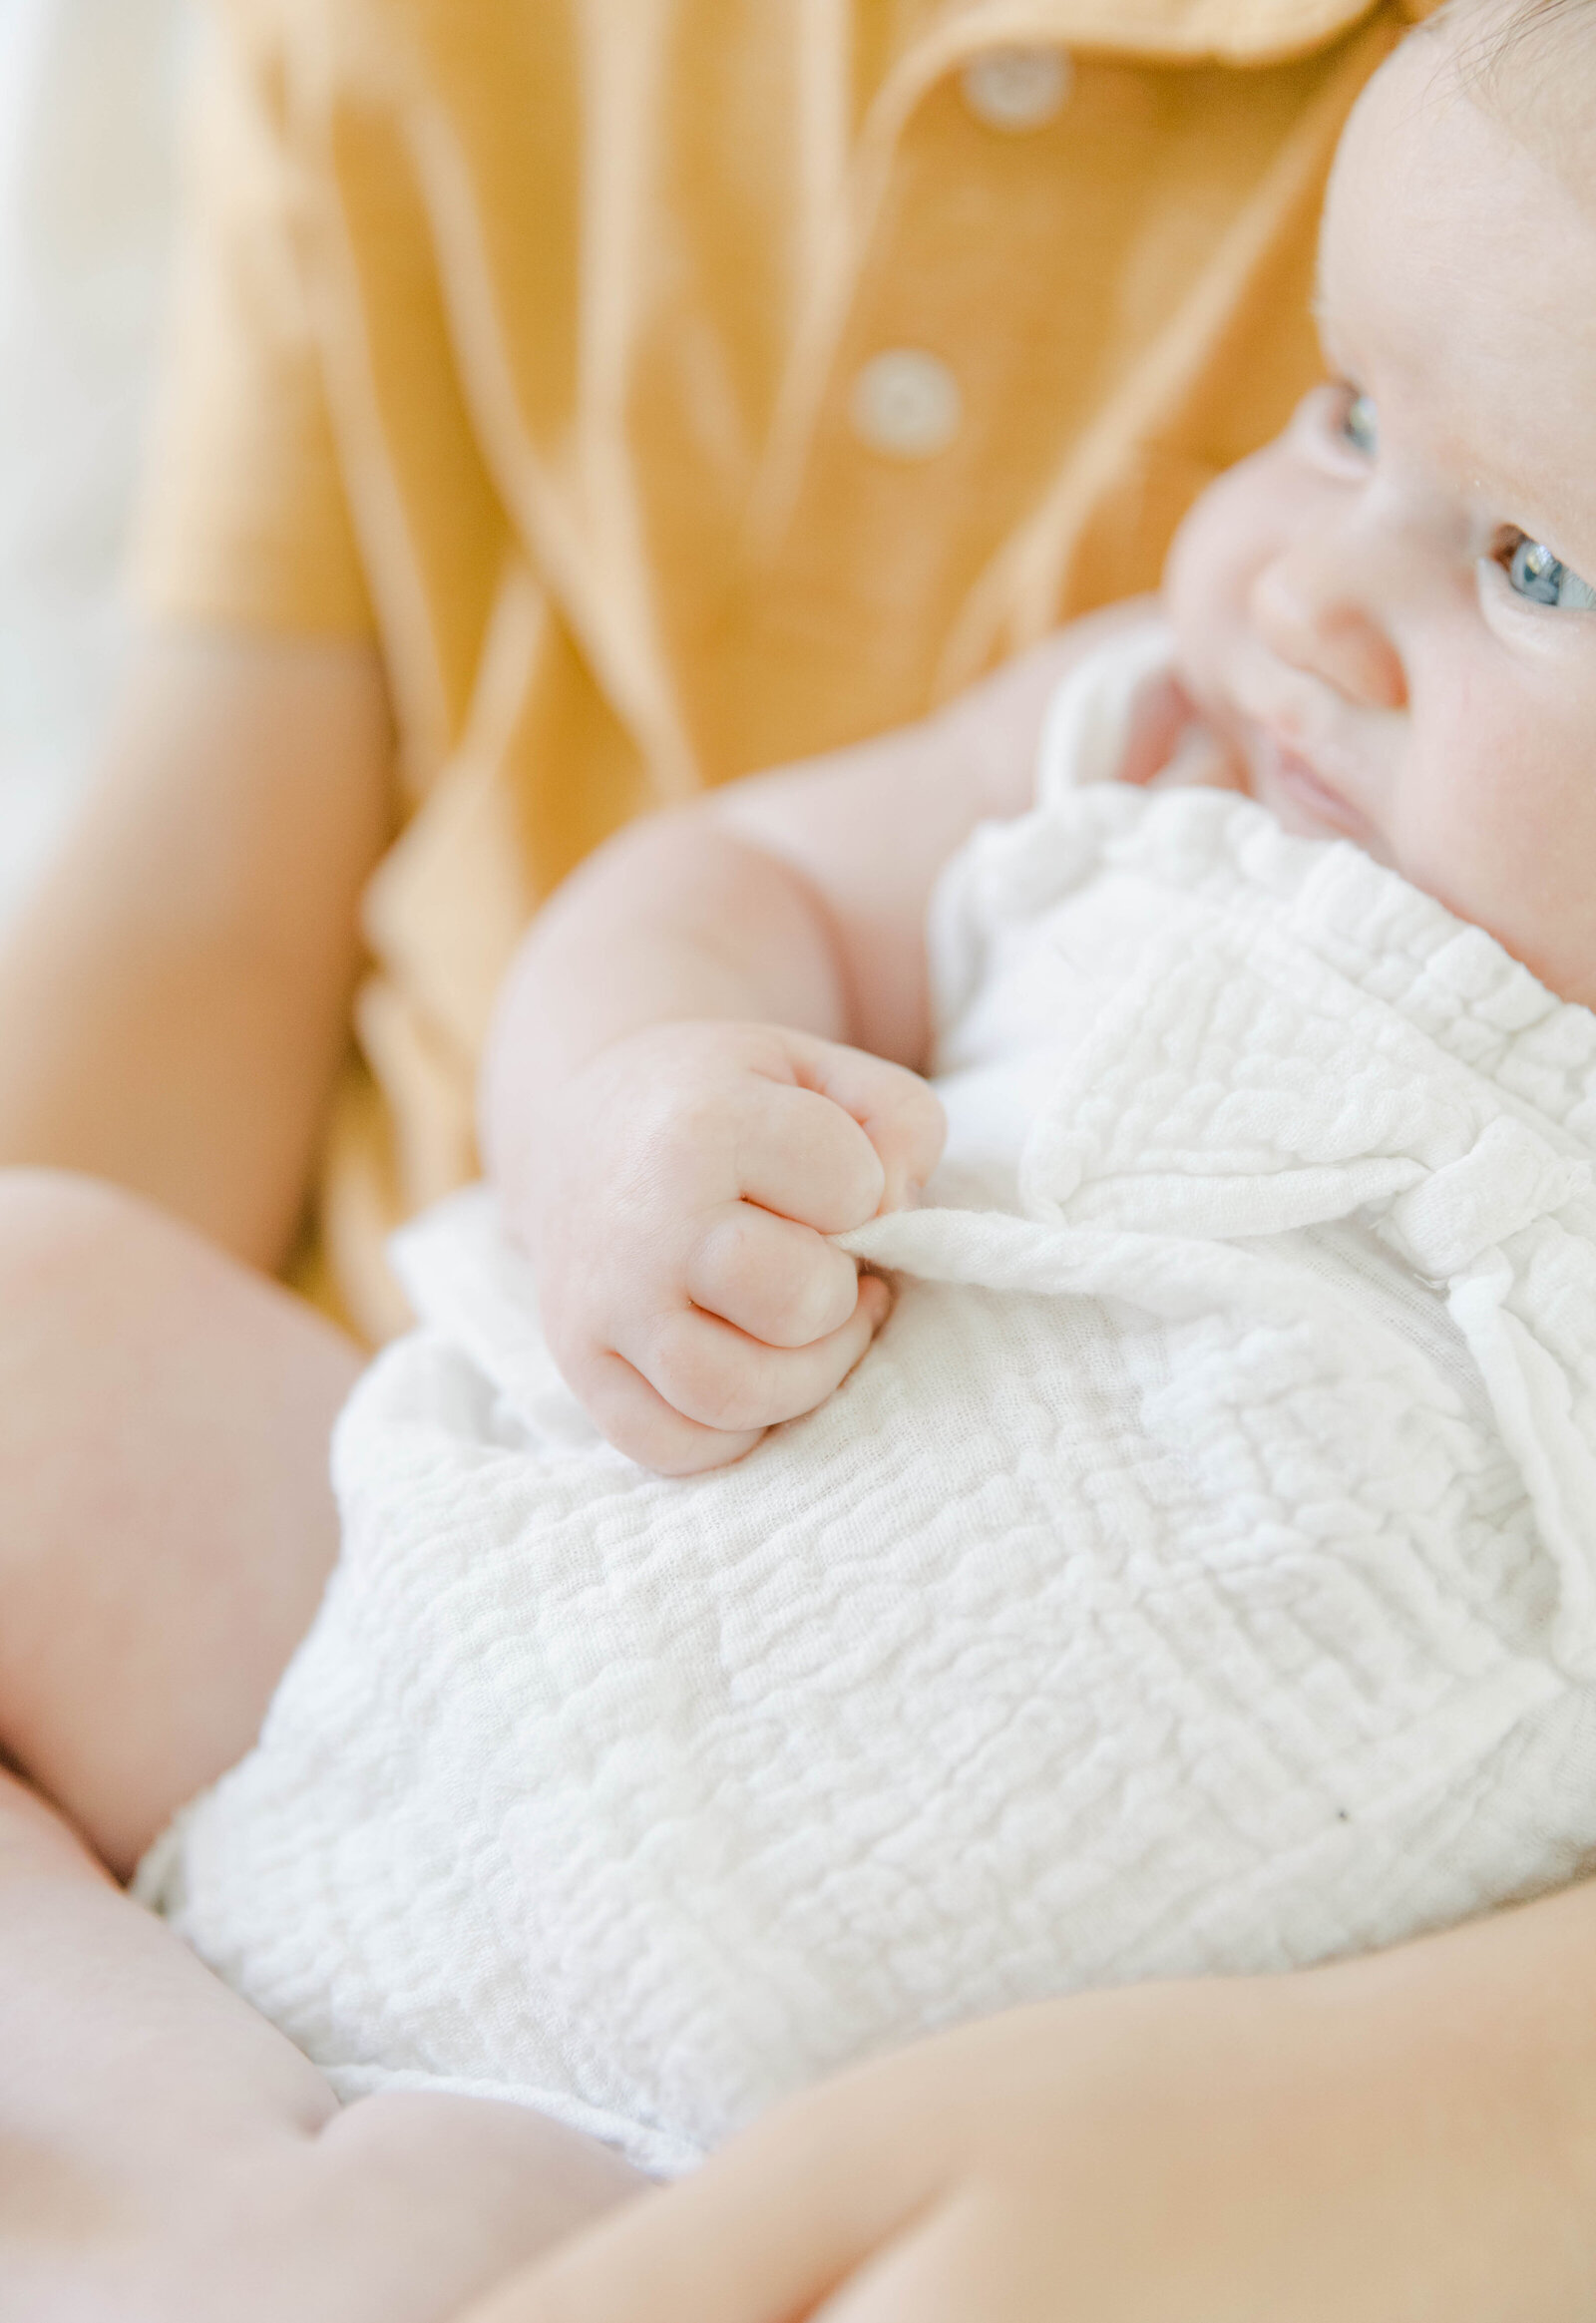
167 1523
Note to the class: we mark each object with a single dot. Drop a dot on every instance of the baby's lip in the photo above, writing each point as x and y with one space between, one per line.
1278 767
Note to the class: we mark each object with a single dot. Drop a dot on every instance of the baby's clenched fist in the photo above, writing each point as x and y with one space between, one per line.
678 1214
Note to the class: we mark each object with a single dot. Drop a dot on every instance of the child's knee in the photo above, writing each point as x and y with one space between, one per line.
57 1223
164 1415
87 1265
42 1202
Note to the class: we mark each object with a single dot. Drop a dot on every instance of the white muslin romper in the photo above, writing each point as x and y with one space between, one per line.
1198 1574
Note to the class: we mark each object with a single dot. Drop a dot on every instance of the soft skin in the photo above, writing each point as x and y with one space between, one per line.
1408 2138
1345 612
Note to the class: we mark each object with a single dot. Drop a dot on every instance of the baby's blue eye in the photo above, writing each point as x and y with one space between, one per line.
1359 427
1535 573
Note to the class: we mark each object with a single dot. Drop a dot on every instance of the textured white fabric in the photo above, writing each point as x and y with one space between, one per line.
1196 1576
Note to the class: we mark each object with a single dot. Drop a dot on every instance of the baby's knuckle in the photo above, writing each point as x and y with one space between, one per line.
687 1450
581 1360
669 1147
712 1384
728 1402
618 1417
817 1301
697 1117
646 1431
783 1295
729 1258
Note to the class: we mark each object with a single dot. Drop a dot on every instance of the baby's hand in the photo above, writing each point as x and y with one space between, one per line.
686 1180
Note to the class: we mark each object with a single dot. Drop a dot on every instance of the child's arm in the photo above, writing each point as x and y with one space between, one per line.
168 2156
173 1003
697 1073
1405 2138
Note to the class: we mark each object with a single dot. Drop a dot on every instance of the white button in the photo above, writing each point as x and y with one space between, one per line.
1017 89
907 403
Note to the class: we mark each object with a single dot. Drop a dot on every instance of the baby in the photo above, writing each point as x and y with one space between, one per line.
1195 1570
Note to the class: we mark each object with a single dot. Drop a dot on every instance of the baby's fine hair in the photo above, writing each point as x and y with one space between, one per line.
1533 63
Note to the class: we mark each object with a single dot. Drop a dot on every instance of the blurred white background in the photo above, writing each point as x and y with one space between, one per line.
88 101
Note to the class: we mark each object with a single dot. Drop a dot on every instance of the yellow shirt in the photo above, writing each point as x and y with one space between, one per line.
680 386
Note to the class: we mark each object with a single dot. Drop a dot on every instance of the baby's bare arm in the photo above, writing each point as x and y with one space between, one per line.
697 1072
677 1112
798 896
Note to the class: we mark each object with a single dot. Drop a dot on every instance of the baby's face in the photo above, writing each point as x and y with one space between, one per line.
1388 616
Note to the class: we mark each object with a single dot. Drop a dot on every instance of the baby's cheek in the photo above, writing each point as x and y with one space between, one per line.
1495 838
1224 541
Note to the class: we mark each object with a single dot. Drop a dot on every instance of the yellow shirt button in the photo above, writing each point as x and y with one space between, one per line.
1017 89
906 403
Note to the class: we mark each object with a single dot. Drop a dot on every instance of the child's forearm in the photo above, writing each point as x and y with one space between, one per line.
1408 2138
1482 2039
175 999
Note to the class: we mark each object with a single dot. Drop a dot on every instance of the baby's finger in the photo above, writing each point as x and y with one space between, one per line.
773 1278
803 1156
722 1378
638 1421
899 1113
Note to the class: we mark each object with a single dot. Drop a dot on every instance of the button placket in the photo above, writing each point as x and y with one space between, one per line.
905 402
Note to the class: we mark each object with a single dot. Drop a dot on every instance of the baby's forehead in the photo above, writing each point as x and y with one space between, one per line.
1532 64
1458 274
1487 107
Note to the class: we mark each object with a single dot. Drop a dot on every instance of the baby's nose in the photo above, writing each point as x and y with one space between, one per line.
1306 615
